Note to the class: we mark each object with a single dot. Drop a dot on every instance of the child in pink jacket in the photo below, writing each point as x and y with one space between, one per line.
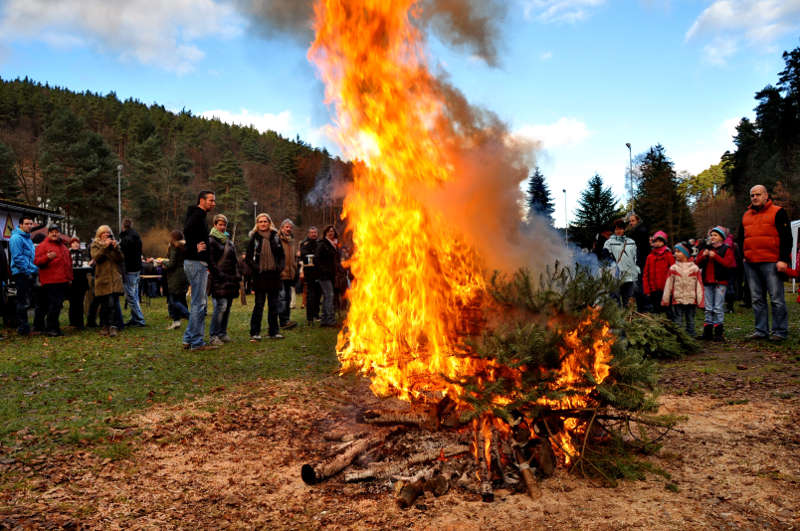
684 288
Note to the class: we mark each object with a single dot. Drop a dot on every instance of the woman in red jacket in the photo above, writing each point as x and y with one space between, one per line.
55 273
716 263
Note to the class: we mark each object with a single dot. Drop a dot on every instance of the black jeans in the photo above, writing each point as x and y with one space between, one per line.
109 312
76 292
56 293
313 296
24 285
272 300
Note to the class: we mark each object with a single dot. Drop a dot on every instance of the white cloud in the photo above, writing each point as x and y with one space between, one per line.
158 33
546 56
757 22
558 10
564 132
282 123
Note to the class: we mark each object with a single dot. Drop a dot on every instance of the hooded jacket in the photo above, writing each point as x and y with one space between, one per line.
717 270
622 250
656 269
683 285
22 253
53 270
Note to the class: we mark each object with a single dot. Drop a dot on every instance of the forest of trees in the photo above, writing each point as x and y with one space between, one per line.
61 149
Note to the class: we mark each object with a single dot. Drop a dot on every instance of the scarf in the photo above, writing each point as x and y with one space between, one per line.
221 236
266 262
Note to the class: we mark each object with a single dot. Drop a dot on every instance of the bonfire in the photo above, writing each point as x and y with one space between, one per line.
520 371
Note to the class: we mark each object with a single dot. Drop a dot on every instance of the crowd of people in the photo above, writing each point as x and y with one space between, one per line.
710 272
201 262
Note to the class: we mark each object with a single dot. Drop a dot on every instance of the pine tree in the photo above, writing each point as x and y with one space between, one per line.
539 200
229 185
597 209
80 172
9 180
659 200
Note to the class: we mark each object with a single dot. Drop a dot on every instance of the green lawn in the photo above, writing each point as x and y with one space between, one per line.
70 390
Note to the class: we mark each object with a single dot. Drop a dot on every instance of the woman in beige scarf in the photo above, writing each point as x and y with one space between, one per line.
265 257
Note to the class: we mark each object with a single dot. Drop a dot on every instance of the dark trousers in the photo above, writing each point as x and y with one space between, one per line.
272 300
285 312
55 293
91 313
24 285
76 293
40 308
625 294
109 310
313 296
655 302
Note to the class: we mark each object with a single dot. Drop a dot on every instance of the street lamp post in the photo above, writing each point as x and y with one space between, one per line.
255 206
566 217
119 198
630 170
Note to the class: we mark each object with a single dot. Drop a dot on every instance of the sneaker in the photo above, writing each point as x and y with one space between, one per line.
289 325
135 323
756 336
113 332
255 338
226 338
217 342
54 333
776 338
174 325
276 336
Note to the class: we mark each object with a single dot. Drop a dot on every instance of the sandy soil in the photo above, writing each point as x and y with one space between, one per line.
233 459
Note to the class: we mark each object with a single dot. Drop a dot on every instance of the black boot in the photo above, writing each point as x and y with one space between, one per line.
708 332
718 333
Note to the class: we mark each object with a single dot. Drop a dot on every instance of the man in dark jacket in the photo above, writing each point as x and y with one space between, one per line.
766 242
5 276
131 246
637 231
22 251
195 265
308 252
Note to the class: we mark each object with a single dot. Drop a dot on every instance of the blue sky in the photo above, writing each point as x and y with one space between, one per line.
581 76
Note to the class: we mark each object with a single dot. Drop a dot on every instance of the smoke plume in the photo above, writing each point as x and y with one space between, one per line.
471 24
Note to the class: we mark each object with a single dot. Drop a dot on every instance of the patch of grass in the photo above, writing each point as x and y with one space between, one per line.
740 324
66 391
672 487
738 402
114 451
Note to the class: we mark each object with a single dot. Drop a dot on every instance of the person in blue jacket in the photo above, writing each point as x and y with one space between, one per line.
23 270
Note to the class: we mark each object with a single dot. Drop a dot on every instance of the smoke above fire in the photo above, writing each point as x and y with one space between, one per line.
484 201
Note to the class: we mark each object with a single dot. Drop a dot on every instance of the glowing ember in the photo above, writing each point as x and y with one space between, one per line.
417 283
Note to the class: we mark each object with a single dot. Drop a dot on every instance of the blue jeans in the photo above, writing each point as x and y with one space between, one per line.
219 319
762 279
328 317
197 274
176 306
684 314
130 282
285 311
714 295
24 285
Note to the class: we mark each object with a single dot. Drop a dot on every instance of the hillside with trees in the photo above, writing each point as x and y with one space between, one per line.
61 149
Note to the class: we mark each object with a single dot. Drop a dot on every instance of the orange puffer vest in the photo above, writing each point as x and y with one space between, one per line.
761 240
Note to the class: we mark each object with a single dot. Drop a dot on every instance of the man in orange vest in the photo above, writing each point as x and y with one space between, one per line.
766 242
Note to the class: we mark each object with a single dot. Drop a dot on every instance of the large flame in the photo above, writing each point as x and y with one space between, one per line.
418 283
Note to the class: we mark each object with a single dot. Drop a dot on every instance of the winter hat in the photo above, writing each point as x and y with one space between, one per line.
719 230
682 248
660 235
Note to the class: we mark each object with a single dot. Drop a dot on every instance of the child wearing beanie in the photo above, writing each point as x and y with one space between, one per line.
656 271
716 263
683 289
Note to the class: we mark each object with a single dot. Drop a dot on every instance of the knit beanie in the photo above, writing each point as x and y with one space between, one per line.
660 235
682 248
719 230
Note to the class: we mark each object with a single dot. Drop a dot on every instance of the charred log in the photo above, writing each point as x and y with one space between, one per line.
387 470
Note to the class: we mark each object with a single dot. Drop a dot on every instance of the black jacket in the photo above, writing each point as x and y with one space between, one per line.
326 259
309 247
195 230
131 246
224 269
265 280
641 238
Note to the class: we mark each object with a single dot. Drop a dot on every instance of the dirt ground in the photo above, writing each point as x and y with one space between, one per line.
233 460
